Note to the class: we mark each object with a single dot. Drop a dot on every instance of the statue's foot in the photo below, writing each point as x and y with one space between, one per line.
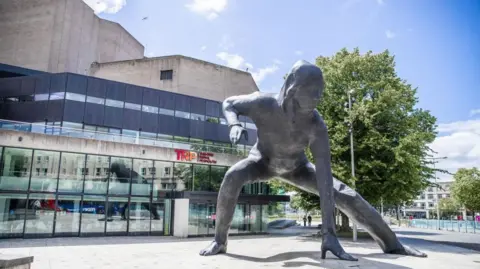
408 251
213 249
330 243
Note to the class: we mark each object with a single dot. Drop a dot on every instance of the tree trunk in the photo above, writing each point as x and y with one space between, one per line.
345 227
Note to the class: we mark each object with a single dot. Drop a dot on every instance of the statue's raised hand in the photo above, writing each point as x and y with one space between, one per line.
236 132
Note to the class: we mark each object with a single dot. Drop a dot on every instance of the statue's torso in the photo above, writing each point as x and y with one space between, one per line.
281 141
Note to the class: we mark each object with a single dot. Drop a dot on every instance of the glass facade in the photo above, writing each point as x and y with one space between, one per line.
50 193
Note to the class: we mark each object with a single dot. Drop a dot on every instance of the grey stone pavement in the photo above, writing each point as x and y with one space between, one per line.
292 249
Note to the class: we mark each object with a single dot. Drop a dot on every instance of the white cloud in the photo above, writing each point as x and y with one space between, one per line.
203 48
298 52
474 112
249 65
226 43
232 60
107 6
460 143
380 2
277 61
390 34
261 73
208 8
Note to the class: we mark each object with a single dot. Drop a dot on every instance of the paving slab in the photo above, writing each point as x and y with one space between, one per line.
247 251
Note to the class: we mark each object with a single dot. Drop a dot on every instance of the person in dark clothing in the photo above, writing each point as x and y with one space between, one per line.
309 220
305 221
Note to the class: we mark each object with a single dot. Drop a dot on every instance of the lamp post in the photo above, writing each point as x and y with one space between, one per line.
436 190
352 156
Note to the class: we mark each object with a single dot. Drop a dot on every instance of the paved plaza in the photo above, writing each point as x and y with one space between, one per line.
269 251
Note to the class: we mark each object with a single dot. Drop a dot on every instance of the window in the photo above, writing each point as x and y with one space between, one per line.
25 98
182 114
57 96
150 109
250 126
11 99
95 100
430 189
114 103
166 74
430 196
75 97
197 117
133 106
144 171
223 121
40 97
430 205
165 111
212 119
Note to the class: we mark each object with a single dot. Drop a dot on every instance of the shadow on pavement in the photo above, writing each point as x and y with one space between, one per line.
331 262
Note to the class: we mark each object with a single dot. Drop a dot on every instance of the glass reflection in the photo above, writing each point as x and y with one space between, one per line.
158 210
40 212
217 173
139 215
201 178
15 172
68 217
96 174
142 176
71 175
45 171
182 176
121 172
93 215
117 214
255 218
12 214
162 174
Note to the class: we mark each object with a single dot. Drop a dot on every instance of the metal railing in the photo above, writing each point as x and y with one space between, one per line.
465 226
112 137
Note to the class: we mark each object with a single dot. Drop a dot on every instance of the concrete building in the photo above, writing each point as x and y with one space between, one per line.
66 36
179 74
61 36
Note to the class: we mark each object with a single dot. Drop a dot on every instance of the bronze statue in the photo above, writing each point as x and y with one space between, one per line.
287 123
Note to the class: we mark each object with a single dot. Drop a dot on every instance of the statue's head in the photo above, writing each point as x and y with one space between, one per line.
302 89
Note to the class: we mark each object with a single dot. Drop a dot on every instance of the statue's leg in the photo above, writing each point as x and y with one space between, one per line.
245 171
356 208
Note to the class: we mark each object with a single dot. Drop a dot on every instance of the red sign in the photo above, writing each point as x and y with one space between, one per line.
191 156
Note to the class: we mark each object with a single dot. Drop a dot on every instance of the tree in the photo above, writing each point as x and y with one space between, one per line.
391 135
448 206
466 188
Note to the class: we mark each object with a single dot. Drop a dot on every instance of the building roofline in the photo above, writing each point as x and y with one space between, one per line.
123 28
146 59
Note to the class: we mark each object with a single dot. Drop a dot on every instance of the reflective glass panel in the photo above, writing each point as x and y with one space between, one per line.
165 111
71 172
120 177
133 106
217 174
12 215
182 176
16 166
193 215
255 218
93 214
162 173
140 213
75 97
182 114
142 176
114 103
95 100
117 214
201 178
57 96
68 218
158 217
96 174
199 117
150 109
40 212
41 97
45 170
250 126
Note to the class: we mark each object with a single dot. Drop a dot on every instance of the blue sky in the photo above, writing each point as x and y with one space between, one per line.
436 43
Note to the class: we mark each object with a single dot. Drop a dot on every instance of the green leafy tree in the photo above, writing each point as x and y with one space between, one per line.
448 206
466 188
391 135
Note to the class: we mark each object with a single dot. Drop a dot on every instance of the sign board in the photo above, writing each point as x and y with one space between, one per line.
192 156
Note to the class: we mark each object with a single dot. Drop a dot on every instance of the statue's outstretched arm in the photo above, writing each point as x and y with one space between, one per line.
320 149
